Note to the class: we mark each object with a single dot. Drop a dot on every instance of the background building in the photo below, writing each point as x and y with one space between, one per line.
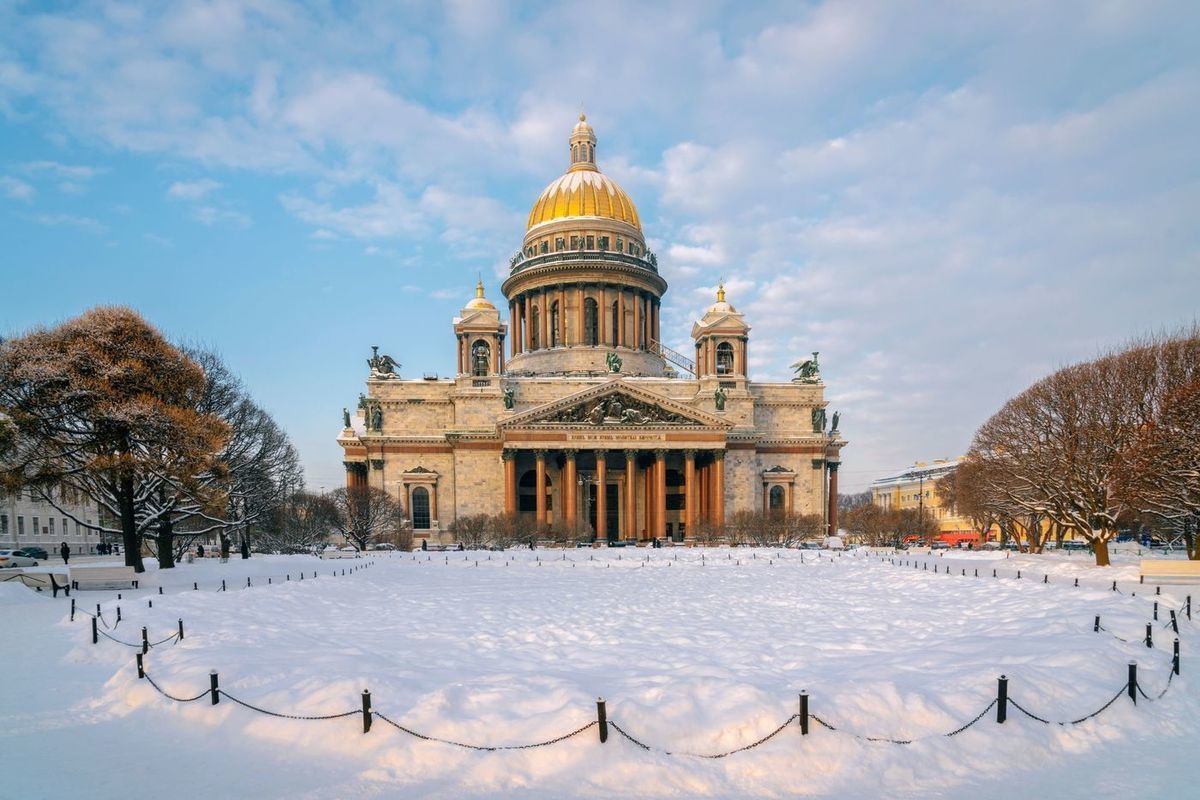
26 521
590 419
915 489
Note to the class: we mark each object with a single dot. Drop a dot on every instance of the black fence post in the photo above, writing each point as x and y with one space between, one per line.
1141 578
1114 586
1045 579
1096 626
181 629
1018 574
145 641
141 669
1156 611
1189 607
1077 583
602 718
72 609
993 573
1132 683
247 581
1174 622
804 713
160 590
1149 635
223 585
1158 590
95 632
195 587
366 701
1175 658
1002 699
213 687
118 613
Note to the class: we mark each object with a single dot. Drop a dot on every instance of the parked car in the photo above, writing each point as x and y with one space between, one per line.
16 558
383 546
33 551
1073 544
939 545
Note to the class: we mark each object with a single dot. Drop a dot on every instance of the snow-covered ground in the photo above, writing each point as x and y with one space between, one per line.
692 655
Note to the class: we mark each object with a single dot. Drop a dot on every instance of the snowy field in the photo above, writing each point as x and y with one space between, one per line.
692 656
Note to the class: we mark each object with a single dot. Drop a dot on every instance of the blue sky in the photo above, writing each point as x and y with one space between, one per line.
947 200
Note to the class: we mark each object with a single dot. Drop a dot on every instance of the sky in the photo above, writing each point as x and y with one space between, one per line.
947 200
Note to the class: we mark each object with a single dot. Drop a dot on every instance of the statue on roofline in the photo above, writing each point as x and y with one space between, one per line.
719 398
808 371
381 366
345 418
509 395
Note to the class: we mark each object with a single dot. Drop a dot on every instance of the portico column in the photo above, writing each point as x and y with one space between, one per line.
540 488
510 481
569 489
630 491
648 503
719 488
689 492
433 506
833 498
788 488
766 497
660 492
601 496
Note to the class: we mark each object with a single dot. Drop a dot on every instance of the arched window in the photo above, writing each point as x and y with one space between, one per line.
481 358
527 492
775 498
535 328
420 508
591 322
616 322
554 338
724 358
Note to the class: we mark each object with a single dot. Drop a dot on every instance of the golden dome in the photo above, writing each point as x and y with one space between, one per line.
479 301
583 191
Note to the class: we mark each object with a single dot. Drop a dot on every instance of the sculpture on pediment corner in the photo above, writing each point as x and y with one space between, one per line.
363 403
818 420
345 418
837 415
613 361
377 418
809 370
719 398
509 395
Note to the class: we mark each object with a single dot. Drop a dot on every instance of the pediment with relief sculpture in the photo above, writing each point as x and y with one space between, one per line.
615 405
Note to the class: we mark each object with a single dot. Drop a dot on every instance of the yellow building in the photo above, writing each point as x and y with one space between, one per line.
915 489
566 407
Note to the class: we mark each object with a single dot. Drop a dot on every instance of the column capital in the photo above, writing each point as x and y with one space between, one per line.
630 454
660 454
507 454
689 454
833 465
718 455
570 454
541 454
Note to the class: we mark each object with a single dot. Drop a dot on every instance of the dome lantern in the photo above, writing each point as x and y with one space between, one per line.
583 145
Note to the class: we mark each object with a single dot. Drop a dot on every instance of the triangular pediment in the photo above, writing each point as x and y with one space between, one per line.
617 404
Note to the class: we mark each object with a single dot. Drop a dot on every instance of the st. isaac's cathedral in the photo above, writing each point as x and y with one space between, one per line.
571 410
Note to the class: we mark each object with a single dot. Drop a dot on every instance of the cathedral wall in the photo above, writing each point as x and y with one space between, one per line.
743 485
479 488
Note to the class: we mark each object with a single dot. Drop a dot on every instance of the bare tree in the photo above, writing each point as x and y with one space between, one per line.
473 530
302 523
366 515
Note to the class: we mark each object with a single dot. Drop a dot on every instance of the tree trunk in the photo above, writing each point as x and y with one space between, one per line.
129 534
166 543
1189 541
1101 548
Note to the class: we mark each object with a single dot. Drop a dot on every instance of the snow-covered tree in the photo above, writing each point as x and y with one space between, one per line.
366 515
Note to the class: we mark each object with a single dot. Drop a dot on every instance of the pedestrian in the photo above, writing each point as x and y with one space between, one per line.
199 551
65 550
224 548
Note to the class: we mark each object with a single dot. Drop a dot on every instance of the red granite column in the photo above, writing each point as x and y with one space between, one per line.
833 498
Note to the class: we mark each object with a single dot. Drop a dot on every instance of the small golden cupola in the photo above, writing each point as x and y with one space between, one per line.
722 338
480 334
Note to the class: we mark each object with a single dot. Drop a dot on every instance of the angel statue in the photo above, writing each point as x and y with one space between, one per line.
836 416
808 371
381 366
345 418
509 394
613 361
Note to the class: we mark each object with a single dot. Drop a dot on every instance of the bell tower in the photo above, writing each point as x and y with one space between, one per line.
480 335
722 338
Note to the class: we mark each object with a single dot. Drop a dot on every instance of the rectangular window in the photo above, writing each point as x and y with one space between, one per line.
560 243
67 528
603 242
4 524
37 530
591 243
574 242
20 526
52 526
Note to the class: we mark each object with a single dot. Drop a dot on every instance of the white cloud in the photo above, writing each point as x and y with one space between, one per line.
68 220
211 215
16 189
193 190
69 172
